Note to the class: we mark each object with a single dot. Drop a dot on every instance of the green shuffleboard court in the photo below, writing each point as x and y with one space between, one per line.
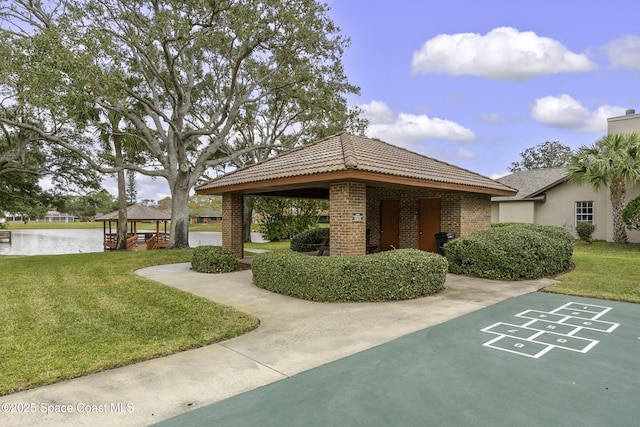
539 359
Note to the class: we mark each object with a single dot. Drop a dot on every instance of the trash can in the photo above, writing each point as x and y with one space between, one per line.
441 239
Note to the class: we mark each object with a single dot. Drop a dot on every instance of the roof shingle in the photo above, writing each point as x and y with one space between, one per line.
531 183
138 213
347 152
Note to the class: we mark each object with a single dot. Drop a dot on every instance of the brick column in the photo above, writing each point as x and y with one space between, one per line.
347 205
232 205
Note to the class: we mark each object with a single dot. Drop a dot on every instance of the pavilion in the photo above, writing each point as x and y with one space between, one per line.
393 197
135 214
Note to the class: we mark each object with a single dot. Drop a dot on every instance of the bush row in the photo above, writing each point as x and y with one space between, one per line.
392 275
304 241
213 259
511 251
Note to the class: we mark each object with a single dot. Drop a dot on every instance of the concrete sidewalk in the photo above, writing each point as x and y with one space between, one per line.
293 336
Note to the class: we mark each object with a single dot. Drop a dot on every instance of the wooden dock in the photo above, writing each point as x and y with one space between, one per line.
5 236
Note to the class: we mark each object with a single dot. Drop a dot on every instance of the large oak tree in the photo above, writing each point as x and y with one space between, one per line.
195 67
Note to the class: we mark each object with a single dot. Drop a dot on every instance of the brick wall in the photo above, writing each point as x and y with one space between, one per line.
232 206
475 210
347 237
461 213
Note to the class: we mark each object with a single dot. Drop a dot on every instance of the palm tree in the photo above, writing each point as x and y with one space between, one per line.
614 162
124 143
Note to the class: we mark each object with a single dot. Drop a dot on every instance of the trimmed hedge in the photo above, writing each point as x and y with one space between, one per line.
585 231
303 242
213 259
511 251
392 275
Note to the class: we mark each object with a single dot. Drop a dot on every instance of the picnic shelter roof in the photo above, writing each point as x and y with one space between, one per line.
307 171
138 212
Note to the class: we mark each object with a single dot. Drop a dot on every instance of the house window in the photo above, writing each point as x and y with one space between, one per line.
584 212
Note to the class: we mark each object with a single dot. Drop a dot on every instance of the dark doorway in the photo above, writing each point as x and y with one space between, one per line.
428 224
389 224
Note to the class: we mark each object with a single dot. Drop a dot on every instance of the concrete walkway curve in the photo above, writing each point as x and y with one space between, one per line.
294 336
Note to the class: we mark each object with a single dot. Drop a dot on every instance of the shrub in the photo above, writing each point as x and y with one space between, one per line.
213 259
631 214
585 231
392 275
511 252
304 241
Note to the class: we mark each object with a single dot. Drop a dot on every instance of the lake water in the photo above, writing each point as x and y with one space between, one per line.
73 241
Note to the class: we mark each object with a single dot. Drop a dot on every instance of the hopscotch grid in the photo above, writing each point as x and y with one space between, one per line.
534 356
575 330
537 355
538 333
549 347
598 313
611 328
522 315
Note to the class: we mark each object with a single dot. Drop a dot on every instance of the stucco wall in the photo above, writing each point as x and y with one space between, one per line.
624 124
521 211
559 209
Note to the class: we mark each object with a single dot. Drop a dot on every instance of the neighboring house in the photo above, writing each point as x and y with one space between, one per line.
207 216
14 217
55 216
545 196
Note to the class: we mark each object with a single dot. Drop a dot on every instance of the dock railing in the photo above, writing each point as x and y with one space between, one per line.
5 236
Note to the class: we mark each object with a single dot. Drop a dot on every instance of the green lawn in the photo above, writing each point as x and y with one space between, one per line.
65 316
271 246
603 270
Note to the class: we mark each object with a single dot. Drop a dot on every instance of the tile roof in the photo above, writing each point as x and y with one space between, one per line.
138 213
532 183
345 152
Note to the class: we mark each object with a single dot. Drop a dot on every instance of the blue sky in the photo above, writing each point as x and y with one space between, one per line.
476 82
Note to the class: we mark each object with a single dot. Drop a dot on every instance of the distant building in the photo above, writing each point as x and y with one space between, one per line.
14 217
55 216
207 216
547 197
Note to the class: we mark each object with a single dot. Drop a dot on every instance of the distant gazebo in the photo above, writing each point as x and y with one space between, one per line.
135 214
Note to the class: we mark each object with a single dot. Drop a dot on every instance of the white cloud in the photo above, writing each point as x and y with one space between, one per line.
502 54
378 112
492 118
565 112
624 52
407 129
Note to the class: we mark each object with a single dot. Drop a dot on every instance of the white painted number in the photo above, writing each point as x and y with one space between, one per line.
519 345
561 340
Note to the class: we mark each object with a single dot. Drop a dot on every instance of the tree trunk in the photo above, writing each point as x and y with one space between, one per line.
247 214
618 191
179 238
121 243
